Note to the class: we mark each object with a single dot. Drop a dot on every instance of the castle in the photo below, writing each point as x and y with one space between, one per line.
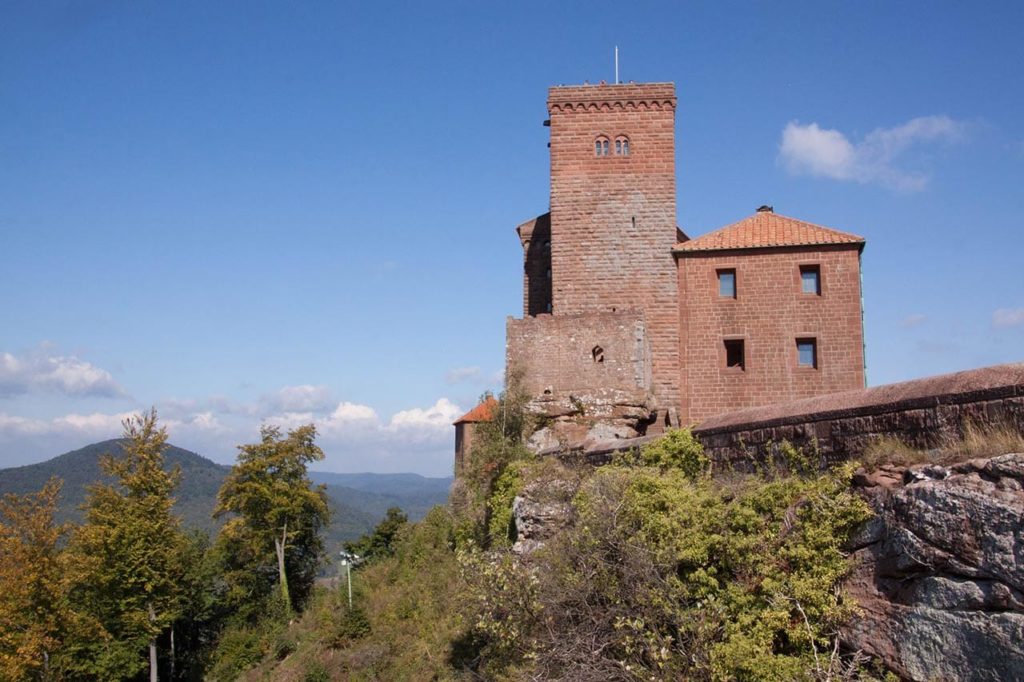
629 325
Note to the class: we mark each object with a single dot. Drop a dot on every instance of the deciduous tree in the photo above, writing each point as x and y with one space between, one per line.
33 611
279 514
126 556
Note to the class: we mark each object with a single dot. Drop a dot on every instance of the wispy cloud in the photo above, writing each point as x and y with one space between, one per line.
824 152
911 321
473 375
1008 317
42 370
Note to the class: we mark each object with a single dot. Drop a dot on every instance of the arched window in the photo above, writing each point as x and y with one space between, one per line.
601 146
621 146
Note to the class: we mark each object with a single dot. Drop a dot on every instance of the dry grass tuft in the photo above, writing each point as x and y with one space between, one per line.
977 441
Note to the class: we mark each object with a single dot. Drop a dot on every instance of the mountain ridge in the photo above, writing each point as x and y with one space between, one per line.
358 501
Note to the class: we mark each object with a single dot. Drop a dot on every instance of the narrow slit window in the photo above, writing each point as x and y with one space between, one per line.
807 353
734 355
810 279
727 283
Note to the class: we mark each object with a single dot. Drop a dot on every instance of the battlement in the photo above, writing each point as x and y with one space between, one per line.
603 96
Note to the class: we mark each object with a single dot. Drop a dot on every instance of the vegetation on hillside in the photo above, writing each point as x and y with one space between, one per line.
128 593
665 570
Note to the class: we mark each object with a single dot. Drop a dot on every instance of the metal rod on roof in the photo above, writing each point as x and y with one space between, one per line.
616 64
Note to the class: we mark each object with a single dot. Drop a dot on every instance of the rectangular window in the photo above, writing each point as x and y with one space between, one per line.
810 279
727 283
734 353
807 353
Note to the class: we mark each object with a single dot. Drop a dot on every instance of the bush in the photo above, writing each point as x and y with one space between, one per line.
668 574
677 449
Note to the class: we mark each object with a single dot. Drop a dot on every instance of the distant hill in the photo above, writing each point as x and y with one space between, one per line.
358 501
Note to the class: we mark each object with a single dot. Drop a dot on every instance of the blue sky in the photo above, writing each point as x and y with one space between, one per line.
252 211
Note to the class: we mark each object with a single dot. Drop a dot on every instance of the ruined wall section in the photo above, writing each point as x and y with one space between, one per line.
613 217
588 353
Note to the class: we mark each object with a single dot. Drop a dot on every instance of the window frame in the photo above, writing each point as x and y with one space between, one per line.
805 268
815 352
732 343
735 283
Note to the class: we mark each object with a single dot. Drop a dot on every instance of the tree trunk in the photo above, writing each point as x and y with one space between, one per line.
152 648
172 652
283 578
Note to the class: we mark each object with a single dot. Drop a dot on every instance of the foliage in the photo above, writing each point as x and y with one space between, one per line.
986 440
34 618
273 539
404 625
499 504
496 445
666 574
677 449
381 542
125 558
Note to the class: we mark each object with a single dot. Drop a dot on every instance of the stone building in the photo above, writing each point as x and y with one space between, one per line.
628 325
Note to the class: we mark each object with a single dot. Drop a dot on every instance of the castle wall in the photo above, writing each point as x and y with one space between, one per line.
613 218
769 313
561 355
535 236
922 413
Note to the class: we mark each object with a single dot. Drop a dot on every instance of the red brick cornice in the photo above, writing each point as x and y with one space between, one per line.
624 97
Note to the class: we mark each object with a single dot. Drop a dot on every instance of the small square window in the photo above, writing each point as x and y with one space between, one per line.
807 353
727 283
734 356
810 279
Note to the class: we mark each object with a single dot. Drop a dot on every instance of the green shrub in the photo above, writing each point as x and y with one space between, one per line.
669 574
316 672
677 449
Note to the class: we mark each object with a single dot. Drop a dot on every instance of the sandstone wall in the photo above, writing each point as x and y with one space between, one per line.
613 217
561 355
922 413
768 314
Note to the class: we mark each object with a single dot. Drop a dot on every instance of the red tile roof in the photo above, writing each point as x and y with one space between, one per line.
765 229
484 412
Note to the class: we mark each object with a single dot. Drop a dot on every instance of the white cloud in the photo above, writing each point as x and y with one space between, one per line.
911 321
1008 317
43 371
300 399
457 375
439 415
96 425
354 436
822 152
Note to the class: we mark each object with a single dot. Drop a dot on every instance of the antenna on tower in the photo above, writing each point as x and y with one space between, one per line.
616 64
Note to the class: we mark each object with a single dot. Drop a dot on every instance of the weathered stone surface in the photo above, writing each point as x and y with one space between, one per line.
609 431
540 511
939 574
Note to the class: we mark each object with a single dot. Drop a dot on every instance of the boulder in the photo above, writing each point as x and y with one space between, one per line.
939 572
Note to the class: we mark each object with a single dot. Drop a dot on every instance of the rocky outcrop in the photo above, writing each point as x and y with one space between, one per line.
939 572
539 512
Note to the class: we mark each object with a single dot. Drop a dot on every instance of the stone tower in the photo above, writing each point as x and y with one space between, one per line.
613 212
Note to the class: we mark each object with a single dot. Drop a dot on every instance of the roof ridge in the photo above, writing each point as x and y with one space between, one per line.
766 229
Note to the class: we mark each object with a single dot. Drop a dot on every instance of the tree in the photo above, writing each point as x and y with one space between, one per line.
126 556
381 543
33 610
279 516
